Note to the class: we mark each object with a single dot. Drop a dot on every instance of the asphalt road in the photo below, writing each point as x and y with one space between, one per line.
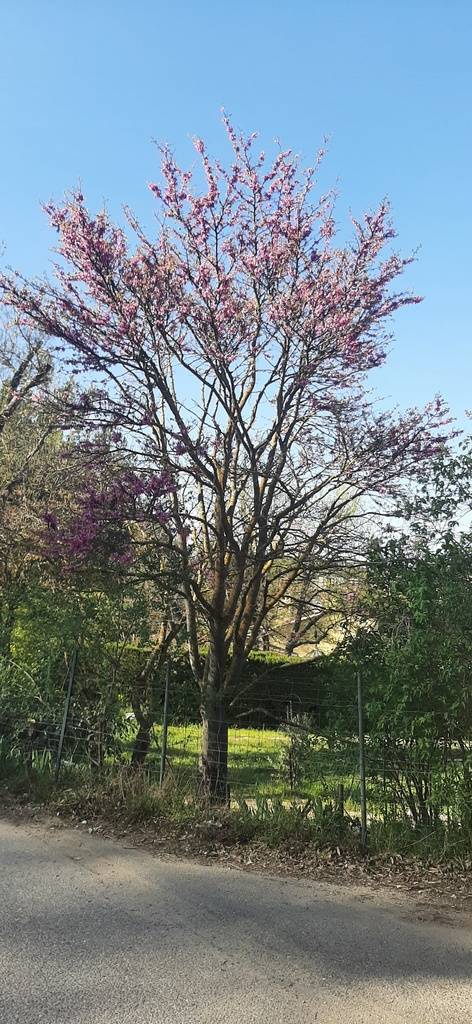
96 933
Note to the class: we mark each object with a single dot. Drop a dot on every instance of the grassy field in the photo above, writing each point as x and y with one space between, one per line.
257 766
262 764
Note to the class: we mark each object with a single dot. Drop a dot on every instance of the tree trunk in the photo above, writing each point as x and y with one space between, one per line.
214 755
142 741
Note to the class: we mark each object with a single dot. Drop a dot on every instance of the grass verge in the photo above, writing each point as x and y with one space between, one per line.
133 800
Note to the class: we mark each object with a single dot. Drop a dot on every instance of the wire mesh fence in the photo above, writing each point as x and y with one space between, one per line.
285 755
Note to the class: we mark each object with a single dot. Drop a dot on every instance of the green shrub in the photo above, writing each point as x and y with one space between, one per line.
295 760
21 699
275 822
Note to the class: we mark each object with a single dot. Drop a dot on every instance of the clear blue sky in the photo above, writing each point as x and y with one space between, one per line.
86 86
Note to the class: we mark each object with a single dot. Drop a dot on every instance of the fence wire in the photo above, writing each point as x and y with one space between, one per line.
284 755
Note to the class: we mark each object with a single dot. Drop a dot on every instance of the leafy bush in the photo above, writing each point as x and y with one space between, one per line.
294 760
271 683
21 700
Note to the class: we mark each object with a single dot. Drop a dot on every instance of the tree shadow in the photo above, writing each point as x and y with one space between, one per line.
136 929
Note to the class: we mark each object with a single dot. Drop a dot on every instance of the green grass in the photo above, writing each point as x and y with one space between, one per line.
262 804
253 767
259 785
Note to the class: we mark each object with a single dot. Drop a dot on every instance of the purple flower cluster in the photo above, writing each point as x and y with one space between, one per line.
100 524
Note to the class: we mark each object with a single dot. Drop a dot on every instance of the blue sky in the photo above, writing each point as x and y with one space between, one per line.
86 86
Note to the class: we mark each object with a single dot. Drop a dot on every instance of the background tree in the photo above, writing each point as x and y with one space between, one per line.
417 660
29 465
412 642
311 618
63 561
110 544
229 353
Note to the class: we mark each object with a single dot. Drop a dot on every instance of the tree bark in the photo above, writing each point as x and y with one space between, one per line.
145 697
214 755
142 741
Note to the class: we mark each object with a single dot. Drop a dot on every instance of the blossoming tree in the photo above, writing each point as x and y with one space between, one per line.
228 353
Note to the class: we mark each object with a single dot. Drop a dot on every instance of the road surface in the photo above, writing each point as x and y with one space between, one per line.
96 933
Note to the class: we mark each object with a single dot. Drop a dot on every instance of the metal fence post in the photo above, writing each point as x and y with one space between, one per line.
165 716
360 710
65 716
